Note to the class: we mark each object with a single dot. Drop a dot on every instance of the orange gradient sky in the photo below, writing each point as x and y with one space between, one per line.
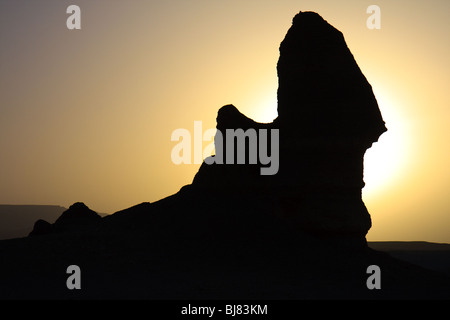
87 115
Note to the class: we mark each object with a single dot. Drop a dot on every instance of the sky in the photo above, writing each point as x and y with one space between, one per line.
87 115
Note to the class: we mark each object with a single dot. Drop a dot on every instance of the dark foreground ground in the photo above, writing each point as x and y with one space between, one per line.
163 251
432 256
133 266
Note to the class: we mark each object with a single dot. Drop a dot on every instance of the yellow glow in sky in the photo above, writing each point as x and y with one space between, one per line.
87 115
389 159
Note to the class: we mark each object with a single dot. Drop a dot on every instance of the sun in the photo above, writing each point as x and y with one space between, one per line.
265 108
387 159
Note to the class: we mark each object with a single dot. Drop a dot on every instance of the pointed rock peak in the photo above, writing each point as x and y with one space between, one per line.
41 227
308 17
230 117
79 206
78 212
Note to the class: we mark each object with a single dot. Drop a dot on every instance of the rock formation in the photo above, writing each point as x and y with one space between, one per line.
235 233
41 227
327 117
77 216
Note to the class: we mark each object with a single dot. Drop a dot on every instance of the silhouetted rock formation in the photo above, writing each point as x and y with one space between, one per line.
322 93
17 220
77 216
232 178
328 117
234 233
41 227
78 213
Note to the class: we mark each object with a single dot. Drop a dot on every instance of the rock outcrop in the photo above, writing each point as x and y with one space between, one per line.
41 227
77 216
327 117
234 232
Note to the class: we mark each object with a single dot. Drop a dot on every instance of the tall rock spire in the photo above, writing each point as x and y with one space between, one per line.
322 92
327 118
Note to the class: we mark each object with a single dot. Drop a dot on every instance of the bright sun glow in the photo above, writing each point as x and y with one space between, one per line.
265 109
385 161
